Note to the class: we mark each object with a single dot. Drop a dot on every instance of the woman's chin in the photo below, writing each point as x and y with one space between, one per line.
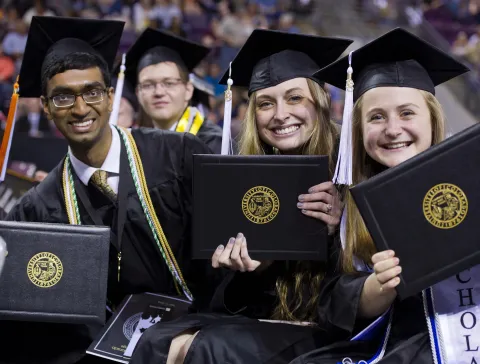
286 144
288 148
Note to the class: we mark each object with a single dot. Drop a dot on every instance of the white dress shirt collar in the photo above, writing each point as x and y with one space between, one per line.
110 165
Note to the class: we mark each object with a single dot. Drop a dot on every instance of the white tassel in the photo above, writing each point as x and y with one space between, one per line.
3 253
118 93
343 228
343 170
227 116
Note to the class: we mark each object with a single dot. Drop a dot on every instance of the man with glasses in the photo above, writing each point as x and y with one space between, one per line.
137 182
159 65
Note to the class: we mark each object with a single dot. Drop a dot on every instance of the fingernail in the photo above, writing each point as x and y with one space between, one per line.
399 270
304 211
300 198
220 247
231 241
396 260
391 253
310 190
299 204
239 235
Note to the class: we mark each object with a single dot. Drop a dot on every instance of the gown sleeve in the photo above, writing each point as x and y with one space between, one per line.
340 296
251 294
26 209
211 135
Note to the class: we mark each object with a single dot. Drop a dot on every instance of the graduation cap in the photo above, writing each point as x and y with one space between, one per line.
53 38
155 46
270 57
396 59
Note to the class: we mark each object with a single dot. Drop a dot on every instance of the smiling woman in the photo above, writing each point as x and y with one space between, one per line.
395 117
288 113
289 118
396 123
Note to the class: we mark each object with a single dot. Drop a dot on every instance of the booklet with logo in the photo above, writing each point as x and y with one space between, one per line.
136 313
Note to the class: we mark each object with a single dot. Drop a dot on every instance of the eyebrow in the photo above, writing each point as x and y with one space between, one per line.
377 109
263 97
268 97
294 89
69 90
408 104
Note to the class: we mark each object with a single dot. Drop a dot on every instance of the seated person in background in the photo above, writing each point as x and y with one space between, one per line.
159 66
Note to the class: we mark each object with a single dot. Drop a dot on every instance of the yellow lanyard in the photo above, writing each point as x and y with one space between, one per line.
185 122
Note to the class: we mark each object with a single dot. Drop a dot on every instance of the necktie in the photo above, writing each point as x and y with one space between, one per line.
99 179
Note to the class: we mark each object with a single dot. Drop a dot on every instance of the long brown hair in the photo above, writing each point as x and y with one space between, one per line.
300 277
359 243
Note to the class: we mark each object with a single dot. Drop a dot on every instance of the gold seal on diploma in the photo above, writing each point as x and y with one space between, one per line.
45 270
260 205
445 206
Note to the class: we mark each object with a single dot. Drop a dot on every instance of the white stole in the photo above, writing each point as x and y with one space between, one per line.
456 302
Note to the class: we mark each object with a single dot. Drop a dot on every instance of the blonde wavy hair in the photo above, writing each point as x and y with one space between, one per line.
300 277
359 243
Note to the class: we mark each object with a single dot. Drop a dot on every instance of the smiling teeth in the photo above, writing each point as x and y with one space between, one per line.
288 130
396 145
84 124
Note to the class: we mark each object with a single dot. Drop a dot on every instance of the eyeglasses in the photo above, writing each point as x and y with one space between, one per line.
167 84
90 97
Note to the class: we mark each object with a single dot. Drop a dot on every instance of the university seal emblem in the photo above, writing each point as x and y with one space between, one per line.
445 206
45 270
260 205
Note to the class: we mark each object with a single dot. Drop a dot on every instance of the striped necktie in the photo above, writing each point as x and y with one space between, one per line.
99 179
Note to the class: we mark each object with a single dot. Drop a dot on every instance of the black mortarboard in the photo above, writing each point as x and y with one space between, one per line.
271 57
398 58
52 38
202 90
155 46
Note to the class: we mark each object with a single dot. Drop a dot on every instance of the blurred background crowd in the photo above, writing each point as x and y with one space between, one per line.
221 25
224 25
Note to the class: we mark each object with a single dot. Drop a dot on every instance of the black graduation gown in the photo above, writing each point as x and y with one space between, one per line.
407 343
233 333
167 162
211 135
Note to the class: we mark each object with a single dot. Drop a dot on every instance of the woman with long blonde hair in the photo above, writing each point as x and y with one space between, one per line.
395 117
288 113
